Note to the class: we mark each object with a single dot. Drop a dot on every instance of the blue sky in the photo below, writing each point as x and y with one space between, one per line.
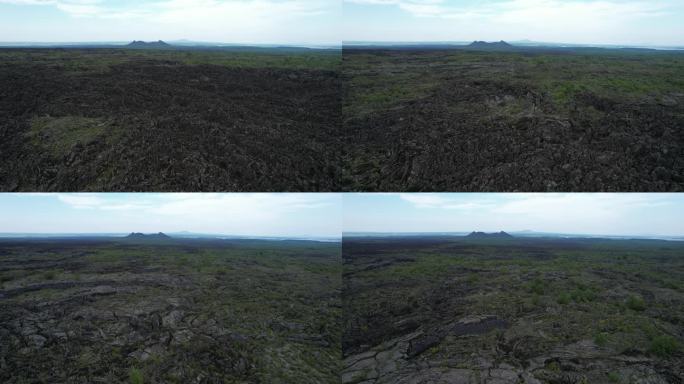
312 22
574 213
637 22
280 214
229 21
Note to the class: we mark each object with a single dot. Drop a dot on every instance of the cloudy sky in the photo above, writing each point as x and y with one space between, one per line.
575 213
637 22
227 21
280 214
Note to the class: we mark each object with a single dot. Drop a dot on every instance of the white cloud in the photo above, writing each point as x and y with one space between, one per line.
80 10
288 214
444 201
241 21
526 11
197 204
76 7
542 203
423 200
182 11
80 200
557 212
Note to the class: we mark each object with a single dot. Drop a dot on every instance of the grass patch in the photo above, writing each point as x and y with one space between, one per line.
536 286
49 275
601 339
135 376
102 60
664 346
636 303
564 298
583 294
614 377
60 134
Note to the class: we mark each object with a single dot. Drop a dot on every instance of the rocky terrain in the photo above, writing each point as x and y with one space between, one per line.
534 311
174 311
156 120
460 120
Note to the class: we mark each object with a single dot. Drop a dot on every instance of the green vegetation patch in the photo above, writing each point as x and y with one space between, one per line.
601 339
136 376
614 377
60 134
664 346
102 60
388 96
636 303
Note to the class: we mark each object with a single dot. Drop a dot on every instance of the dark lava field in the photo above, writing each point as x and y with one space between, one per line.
118 120
169 311
363 120
455 120
512 311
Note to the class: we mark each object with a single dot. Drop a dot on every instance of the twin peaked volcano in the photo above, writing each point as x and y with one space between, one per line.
154 236
483 235
485 46
145 45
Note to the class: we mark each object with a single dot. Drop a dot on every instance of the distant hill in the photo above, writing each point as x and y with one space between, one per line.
151 45
485 46
154 236
483 235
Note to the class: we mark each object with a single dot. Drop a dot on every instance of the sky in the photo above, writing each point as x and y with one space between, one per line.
620 22
307 22
575 213
279 214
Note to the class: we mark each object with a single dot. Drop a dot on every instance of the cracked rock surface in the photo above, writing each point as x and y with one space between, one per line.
188 311
533 311
115 120
433 120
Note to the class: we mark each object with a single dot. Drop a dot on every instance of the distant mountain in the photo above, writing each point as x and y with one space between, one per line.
485 46
154 236
483 235
151 45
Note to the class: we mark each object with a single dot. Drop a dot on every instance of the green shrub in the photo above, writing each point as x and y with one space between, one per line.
601 339
553 366
672 285
473 278
583 295
49 275
664 346
636 303
536 286
614 377
564 298
136 376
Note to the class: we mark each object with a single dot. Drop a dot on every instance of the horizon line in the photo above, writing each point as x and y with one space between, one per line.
525 231
169 235
182 41
525 41
117 233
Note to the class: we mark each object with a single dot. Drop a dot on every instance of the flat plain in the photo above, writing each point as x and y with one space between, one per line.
171 311
518 310
544 120
169 120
